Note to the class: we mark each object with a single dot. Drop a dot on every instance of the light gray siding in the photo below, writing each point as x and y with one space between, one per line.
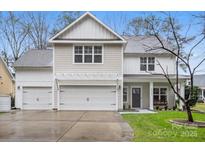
112 60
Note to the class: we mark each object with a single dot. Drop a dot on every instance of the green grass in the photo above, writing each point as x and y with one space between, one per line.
200 107
157 128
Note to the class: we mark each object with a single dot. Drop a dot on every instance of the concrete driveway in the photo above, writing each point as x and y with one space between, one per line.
63 126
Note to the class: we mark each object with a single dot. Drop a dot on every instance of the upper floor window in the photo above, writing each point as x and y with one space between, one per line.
97 54
147 63
78 54
88 54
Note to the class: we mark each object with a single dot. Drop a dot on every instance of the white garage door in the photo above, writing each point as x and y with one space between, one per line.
5 103
88 98
37 98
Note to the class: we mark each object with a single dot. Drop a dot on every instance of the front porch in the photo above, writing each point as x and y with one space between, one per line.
148 93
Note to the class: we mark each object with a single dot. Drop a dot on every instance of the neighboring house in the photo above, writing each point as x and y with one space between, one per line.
6 87
91 67
6 80
199 81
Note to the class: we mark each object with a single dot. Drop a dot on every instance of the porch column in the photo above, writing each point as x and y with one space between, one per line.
182 90
151 96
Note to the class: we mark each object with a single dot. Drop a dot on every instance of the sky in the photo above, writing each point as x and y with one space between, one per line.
118 20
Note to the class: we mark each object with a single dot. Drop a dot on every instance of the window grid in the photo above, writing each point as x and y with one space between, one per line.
85 52
147 63
160 93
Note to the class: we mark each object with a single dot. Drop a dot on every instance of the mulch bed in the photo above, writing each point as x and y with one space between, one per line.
199 124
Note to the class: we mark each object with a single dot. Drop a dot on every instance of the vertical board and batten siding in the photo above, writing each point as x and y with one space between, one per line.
132 64
112 60
87 28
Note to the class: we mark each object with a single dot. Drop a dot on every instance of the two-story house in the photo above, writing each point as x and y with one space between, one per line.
91 67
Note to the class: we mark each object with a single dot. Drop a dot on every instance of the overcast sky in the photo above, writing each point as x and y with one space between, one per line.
119 20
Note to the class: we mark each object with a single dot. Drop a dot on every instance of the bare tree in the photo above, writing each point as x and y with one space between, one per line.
38 29
172 38
118 22
14 33
64 19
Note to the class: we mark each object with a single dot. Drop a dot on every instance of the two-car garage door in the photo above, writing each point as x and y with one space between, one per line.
37 98
88 98
71 98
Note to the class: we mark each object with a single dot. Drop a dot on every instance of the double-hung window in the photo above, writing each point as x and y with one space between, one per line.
97 54
147 63
151 62
78 54
160 95
88 54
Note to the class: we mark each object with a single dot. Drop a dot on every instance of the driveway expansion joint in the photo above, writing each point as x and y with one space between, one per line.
69 128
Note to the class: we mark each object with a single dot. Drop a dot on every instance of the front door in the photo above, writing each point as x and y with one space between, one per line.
136 97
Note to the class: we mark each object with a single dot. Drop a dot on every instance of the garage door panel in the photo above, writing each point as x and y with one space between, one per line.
88 98
37 98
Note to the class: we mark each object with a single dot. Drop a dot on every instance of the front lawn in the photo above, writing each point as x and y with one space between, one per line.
156 127
199 107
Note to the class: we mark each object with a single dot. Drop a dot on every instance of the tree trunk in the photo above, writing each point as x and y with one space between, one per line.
189 114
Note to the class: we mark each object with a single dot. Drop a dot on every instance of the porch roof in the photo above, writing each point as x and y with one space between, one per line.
153 77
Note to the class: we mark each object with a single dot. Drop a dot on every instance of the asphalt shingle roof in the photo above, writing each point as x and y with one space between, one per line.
35 58
140 44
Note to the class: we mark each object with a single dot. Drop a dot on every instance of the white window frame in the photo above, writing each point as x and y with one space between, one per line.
159 87
150 63
125 87
147 64
75 54
83 54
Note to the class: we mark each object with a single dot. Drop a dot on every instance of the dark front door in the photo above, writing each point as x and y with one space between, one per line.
136 97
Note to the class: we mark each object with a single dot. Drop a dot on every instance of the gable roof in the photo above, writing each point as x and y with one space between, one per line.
35 58
199 80
139 44
6 67
87 14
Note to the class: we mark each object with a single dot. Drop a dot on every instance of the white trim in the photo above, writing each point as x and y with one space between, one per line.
53 84
83 53
141 98
81 17
85 41
123 93
116 96
151 96
122 72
